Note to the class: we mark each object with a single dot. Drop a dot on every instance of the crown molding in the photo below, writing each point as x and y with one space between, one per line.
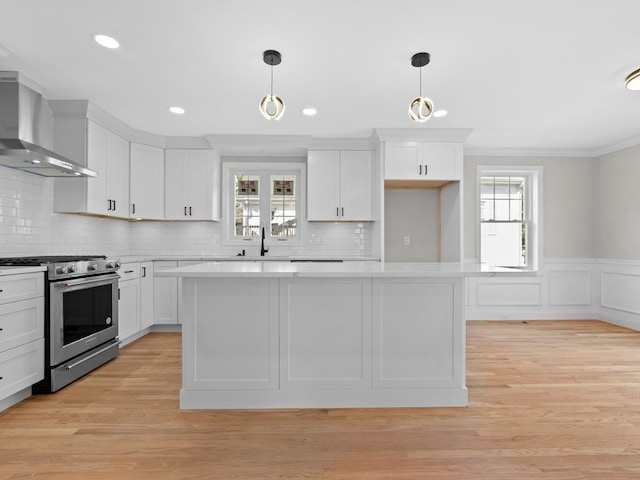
616 146
527 152
267 145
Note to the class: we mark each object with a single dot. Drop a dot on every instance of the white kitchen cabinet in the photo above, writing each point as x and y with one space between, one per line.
165 295
99 149
21 335
192 184
146 182
129 301
146 295
339 185
423 161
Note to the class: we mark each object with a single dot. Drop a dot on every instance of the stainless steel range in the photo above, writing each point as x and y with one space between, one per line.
81 315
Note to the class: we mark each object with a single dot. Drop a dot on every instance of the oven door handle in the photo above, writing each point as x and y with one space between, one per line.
69 367
97 280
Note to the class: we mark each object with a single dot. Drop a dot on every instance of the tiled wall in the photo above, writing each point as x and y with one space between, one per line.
28 226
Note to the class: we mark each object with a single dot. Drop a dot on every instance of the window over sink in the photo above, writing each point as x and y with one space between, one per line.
262 195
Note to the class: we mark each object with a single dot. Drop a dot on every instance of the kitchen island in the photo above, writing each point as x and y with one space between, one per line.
323 335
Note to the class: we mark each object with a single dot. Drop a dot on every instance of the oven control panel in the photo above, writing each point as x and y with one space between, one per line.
62 270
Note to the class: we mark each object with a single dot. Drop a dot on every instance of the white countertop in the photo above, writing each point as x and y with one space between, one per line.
18 270
346 269
235 258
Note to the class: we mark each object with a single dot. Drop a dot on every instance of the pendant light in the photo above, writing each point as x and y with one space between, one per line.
272 106
420 108
632 82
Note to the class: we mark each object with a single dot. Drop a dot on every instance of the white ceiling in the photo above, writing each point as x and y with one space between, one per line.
545 75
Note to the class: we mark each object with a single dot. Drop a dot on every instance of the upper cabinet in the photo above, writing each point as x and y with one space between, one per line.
192 179
423 161
99 149
339 185
146 182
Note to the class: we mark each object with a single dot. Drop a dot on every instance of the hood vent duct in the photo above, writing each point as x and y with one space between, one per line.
26 132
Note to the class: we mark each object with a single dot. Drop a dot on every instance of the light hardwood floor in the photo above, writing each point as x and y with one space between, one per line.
557 400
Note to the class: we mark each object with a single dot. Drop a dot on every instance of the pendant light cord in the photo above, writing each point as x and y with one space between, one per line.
420 81
272 79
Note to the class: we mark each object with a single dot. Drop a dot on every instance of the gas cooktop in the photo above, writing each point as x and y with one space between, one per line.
47 259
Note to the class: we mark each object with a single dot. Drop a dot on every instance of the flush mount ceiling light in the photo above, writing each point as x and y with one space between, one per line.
420 108
272 106
632 82
106 41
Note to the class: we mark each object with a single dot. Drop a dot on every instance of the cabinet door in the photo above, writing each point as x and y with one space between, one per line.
97 141
442 161
356 174
402 160
147 182
199 170
323 186
146 294
118 175
175 193
129 309
165 295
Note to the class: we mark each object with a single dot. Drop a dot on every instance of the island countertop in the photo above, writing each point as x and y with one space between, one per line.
344 269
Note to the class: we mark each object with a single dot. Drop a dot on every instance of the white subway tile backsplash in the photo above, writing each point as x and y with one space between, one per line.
28 226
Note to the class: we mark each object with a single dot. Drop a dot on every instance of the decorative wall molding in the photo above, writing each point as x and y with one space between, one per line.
581 288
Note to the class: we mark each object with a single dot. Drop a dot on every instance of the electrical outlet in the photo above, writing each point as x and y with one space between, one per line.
407 240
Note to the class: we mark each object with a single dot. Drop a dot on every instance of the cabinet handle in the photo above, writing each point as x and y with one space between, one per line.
114 205
128 271
425 169
337 211
185 211
109 208
118 294
189 210
133 210
144 272
343 211
420 169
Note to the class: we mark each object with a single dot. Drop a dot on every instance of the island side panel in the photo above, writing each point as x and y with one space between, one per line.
325 333
230 333
418 333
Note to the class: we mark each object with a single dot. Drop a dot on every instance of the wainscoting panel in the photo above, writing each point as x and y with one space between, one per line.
501 293
569 287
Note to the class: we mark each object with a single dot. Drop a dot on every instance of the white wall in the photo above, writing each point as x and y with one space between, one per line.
617 205
411 213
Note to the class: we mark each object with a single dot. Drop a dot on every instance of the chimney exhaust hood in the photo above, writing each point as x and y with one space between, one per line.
26 132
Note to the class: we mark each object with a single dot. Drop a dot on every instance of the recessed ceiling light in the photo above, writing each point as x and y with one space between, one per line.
177 110
106 41
309 111
632 82
440 113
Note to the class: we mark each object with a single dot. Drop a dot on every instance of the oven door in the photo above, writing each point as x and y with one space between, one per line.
83 315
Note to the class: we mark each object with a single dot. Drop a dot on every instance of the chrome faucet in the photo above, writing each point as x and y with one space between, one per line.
263 250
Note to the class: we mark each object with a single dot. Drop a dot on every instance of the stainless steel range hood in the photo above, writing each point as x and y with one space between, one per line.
26 132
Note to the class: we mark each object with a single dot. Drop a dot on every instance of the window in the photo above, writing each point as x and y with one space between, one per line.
262 195
510 216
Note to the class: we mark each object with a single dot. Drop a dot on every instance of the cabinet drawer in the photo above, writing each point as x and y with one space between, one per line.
21 322
21 367
129 271
21 287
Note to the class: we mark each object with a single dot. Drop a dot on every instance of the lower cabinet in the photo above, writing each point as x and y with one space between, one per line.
21 335
135 307
146 294
129 301
165 295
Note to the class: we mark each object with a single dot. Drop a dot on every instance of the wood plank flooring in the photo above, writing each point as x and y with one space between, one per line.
557 400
